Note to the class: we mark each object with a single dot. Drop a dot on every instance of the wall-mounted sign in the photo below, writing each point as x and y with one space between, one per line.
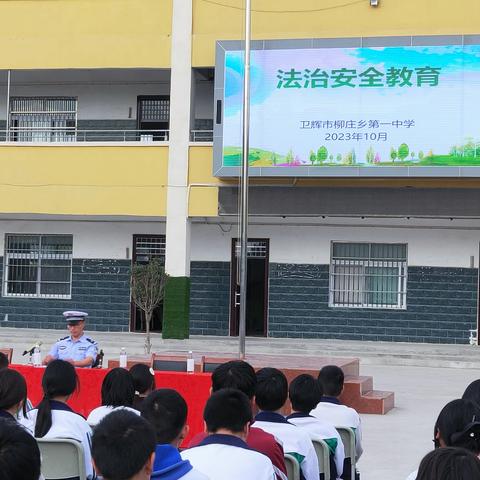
396 110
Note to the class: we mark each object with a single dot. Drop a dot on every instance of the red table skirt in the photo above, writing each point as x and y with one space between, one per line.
194 388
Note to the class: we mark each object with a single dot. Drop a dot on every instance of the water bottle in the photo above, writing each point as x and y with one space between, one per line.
37 356
123 358
190 362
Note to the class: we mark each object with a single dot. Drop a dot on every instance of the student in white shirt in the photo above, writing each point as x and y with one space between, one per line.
166 411
123 447
271 394
305 392
19 452
330 409
53 418
118 392
224 454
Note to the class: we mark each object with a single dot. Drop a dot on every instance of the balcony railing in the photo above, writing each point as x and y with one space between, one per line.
201 136
62 135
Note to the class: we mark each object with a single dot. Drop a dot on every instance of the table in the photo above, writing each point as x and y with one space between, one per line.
194 387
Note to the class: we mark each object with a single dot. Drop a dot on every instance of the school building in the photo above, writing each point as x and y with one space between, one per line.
110 133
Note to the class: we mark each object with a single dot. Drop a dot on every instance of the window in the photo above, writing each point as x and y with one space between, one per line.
43 119
368 275
38 266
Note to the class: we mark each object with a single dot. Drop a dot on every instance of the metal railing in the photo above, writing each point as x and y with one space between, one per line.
67 135
201 136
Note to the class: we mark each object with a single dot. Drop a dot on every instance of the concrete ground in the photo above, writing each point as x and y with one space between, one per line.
424 378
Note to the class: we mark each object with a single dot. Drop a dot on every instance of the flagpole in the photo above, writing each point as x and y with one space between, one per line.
244 184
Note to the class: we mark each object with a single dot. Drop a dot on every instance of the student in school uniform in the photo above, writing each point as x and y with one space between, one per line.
241 375
118 392
123 447
330 409
270 396
305 393
224 454
143 381
166 411
53 418
19 452
13 394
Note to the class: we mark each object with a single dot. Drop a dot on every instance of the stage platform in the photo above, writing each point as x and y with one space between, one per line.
358 392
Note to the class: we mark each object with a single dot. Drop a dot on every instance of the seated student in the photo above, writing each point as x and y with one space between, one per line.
331 379
13 394
270 396
53 418
449 464
3 361
166 411
305 393
472 392
118 392
241 375
143 381
123 447
224 454
19 453
457 426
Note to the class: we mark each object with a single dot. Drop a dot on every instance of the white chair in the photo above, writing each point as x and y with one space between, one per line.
323 456
293 467
61 458
348 438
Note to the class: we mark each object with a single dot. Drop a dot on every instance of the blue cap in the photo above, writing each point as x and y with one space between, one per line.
72 316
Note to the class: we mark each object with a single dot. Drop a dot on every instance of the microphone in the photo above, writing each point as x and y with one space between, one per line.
30 351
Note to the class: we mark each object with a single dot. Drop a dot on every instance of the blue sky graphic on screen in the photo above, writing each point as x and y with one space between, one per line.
372 107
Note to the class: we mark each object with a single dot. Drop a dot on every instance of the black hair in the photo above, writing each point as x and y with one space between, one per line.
59 379
166 410
13 389
272 389
331 378
118 389
143 379
227 408
472 392
305 393
19 452
3 361
122 444
458 425
449 464
235 374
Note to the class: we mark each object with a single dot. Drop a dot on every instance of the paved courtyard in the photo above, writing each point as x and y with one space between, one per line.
424 378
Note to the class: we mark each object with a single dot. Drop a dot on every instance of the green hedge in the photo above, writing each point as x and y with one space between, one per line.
176 308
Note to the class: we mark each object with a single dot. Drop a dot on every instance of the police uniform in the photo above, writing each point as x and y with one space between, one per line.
68 349
221 457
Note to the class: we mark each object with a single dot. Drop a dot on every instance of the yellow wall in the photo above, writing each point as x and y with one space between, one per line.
85 33
78 180
328 18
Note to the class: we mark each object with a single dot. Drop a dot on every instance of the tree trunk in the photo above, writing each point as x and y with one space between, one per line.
148 343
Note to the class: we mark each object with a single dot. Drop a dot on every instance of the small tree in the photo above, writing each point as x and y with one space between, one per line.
403 151
313 157
322 154
370 155
148 285
393 154
290 157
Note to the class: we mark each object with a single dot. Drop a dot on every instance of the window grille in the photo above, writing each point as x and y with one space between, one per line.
43 119
154 109
255 248
149 247
368 275
38 266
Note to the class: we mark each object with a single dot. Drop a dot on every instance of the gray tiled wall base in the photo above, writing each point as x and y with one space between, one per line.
100 287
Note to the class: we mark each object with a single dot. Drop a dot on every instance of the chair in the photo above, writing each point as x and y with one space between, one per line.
169 363
61 458
209 364
323 455
8 352
348 438
293 467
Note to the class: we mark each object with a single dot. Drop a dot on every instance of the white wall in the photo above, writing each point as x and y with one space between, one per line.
427 245
90 239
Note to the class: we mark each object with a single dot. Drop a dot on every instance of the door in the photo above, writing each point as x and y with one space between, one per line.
257 288
145 248
153 117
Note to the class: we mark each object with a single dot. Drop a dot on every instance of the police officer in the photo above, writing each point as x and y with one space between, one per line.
76 348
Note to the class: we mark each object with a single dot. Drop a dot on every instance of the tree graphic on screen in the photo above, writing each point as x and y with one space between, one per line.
403 151
322 154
